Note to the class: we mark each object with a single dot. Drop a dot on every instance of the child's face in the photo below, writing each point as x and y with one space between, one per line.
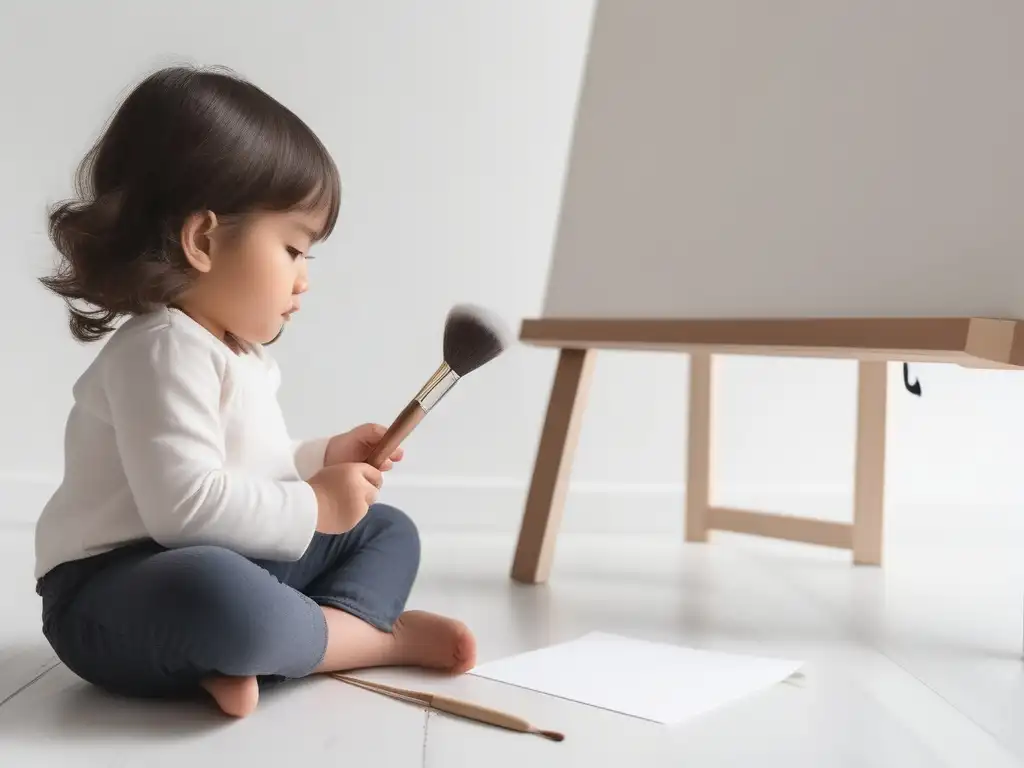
255 276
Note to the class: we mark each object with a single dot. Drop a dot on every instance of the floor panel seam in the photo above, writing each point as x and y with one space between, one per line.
30 683
868 643
426 727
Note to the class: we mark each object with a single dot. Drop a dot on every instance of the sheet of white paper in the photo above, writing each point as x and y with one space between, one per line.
654 681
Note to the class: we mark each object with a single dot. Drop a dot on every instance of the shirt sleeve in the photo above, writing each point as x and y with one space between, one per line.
309 455
164 395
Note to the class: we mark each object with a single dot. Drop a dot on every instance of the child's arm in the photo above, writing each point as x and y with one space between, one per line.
309 455
164 395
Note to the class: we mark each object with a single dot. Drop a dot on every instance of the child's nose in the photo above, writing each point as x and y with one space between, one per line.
301 282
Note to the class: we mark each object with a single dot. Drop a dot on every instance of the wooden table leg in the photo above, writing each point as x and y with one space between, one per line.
869 484
698 449
553 466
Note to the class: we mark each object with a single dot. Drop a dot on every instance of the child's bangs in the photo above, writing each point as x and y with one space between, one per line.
297 174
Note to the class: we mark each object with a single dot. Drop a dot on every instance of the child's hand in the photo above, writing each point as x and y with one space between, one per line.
344 493
356 444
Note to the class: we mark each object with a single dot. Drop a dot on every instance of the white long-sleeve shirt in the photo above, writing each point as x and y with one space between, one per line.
174 437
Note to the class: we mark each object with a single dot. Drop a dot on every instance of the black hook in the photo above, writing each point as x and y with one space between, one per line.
915 388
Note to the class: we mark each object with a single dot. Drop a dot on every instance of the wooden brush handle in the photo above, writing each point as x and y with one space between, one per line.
479 713
399 430
455 707
387 690
445 704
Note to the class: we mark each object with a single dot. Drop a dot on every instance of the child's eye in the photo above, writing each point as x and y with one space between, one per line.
295 252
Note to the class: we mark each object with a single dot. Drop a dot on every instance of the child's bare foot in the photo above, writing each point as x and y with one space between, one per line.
428 640
417 639
236 696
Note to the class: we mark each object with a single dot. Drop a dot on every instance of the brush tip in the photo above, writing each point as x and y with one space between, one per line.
552 735
473 336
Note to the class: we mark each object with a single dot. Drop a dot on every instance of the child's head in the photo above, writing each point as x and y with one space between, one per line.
204 193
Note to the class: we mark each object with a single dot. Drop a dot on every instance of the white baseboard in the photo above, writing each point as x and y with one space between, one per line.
495 505
22 496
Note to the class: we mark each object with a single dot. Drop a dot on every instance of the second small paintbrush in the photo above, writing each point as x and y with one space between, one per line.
453 707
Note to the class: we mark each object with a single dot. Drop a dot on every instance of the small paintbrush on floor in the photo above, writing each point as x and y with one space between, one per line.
452 707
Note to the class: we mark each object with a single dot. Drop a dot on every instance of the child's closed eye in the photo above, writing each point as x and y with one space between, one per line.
295 253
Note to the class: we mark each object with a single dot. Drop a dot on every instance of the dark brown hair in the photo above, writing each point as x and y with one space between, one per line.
185 140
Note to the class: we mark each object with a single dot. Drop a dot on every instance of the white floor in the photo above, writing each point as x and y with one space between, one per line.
915 664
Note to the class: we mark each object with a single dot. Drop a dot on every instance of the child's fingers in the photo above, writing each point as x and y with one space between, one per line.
371 496
373 475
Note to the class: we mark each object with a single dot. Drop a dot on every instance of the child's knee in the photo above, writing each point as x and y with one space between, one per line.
398 526
241 618
217 592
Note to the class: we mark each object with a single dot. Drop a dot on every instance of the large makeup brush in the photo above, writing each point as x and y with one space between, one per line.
473 336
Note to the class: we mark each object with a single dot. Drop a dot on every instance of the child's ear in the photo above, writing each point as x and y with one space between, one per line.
196 240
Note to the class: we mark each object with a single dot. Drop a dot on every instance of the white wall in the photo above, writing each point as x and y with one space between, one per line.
450 122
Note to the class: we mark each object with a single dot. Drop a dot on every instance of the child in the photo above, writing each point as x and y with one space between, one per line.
192 544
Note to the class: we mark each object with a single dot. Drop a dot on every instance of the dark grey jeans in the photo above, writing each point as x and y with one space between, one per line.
147 621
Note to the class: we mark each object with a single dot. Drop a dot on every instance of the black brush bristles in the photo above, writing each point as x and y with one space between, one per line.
472 336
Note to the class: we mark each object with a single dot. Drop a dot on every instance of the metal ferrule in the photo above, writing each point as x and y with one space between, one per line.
444 379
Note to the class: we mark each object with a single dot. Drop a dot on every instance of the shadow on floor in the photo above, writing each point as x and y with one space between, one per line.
59 706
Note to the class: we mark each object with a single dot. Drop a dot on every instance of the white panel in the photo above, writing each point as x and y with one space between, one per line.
797 158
